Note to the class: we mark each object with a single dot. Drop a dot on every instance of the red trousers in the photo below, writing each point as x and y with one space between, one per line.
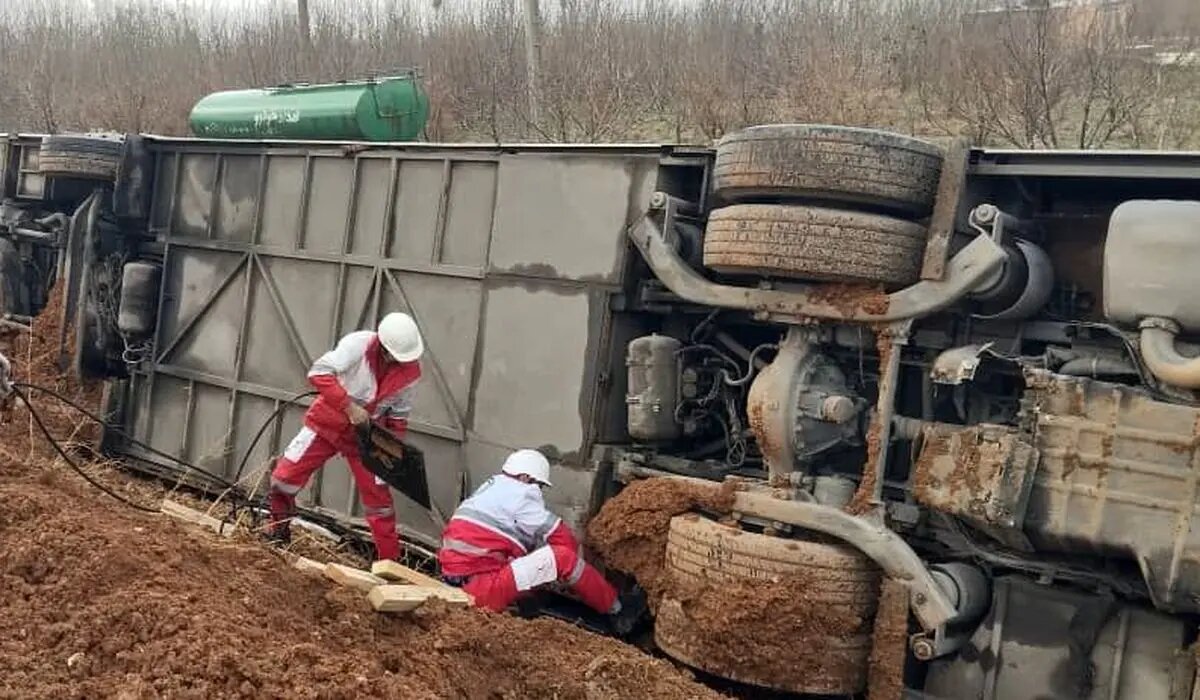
497 589
307 453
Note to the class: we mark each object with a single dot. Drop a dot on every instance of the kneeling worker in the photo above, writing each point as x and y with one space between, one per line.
369 376
502 542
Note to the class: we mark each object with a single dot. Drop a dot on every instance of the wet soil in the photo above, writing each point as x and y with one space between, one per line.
851 299
102 601
106 603
769 633
630 532
778 632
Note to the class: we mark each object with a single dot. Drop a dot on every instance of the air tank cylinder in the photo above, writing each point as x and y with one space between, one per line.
139 298
652 362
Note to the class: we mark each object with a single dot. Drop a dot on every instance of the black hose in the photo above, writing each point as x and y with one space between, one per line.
37 419
238 501
263 429
108 426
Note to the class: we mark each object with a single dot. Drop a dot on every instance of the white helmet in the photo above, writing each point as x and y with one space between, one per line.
398 333
531 463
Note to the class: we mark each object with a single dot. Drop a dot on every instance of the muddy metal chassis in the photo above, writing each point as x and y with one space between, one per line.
532 269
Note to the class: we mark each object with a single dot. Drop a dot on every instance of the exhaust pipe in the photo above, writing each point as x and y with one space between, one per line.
1163 359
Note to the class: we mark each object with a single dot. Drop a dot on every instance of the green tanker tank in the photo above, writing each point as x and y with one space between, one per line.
381 109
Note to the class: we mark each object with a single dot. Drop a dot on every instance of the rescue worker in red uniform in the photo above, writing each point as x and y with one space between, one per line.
369 376
502 542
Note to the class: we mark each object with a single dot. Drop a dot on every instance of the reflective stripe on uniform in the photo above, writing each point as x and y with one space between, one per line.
299 444
467 548
285 487
383 511
576 572
547 526
484 520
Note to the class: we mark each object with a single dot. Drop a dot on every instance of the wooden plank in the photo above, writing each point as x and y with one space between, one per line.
395 571
309 565
351 577
195 517
392 598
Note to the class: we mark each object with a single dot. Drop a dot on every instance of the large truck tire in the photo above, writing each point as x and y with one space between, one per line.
814 243
824 578
828 164
84 157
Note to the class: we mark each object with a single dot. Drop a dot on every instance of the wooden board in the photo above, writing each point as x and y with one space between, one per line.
309 565
393 598
395 571
195 517
351 577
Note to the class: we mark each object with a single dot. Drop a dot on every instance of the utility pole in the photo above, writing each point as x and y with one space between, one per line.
533 52
533 57
304 27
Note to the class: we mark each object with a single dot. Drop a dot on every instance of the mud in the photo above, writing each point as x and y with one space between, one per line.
889 643
780 632
35 360
864 496
768 633
863 499
106 603
852 299
630 532
961 470
102 601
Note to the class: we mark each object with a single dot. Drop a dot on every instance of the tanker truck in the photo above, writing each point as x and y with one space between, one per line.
961 373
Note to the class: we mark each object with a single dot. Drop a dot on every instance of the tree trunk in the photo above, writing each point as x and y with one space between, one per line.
533 57
304 28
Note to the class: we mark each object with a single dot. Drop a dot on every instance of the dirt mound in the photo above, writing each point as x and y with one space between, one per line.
102 601
630 531
106 603
35 359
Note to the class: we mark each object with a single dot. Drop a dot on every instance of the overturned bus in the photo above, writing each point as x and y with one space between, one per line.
966 371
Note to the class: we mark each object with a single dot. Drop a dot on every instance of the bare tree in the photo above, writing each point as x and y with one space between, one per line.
633 69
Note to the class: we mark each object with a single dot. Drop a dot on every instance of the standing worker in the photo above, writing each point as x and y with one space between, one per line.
369 376
502 542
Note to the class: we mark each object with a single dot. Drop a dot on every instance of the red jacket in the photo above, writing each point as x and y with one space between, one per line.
356 370
504 519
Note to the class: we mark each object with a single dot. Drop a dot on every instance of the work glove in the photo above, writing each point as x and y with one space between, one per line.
357 414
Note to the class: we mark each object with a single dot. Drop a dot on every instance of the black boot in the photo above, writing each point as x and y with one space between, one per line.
279 534
633 608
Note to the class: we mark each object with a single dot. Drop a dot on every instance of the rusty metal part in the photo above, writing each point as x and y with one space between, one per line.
930 604
893 338
945 209
789 403
974 264
1119 476
957 365
982 474
1163 359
